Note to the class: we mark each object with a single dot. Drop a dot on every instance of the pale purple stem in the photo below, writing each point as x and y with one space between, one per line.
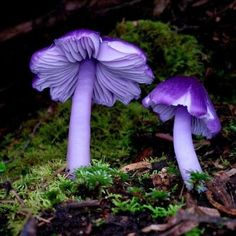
183 145
78 153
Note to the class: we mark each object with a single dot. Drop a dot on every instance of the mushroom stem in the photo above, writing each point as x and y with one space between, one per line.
183 145
78 153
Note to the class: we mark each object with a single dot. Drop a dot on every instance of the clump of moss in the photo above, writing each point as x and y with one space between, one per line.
113 130
38 141
41 188
45 138
45 186
169 53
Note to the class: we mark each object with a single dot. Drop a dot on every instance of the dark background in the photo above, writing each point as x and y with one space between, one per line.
26 26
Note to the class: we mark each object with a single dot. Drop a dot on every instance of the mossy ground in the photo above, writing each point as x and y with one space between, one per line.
36 192
169 53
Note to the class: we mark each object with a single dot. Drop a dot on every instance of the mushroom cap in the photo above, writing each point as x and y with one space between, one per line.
189 92
120 67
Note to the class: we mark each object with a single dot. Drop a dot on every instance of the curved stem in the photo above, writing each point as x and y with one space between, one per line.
183 145
78 152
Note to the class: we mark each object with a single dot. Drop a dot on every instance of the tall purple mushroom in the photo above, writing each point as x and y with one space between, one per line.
90 69
186 99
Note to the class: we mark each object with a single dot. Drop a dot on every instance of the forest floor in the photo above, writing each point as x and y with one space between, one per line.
133 186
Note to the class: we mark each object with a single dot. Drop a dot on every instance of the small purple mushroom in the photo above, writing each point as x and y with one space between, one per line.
186 99
90 69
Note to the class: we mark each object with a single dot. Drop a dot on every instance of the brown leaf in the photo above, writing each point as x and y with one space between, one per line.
136 166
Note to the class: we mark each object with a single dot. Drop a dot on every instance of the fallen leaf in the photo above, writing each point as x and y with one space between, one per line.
136 166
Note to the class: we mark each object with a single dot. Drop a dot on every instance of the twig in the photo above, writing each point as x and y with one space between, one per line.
61 169
43 220
164 136
16 195
31 135
87 203
219 206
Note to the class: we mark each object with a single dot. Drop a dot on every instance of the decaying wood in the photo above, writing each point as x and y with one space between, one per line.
221 193
75 205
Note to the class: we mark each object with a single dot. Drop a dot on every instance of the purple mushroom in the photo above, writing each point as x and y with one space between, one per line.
90 69
186 99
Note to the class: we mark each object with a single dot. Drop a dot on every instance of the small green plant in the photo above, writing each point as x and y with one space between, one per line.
135 190
131 205
2 167
156 194
232 126
230 129
160 212
198 180
225 162
144 177
99 175
172 168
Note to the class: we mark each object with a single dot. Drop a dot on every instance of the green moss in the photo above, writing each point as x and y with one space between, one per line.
41 188
100 176
134 205
131 205
158 212
38 141
169 53
112 131
198 180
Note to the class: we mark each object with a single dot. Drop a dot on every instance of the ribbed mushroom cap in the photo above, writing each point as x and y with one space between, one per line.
189 92
120 66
